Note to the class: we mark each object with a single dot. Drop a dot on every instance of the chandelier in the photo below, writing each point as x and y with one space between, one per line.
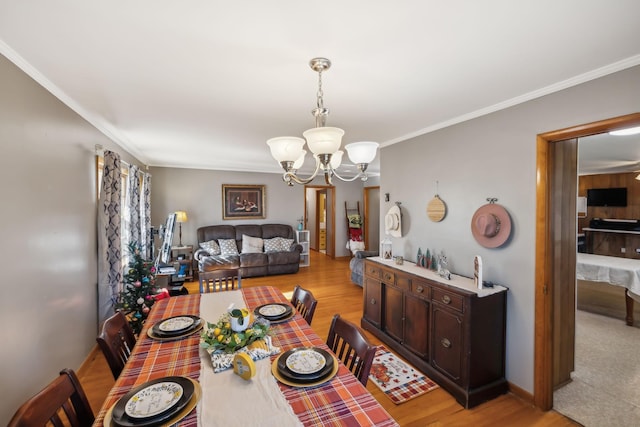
324 143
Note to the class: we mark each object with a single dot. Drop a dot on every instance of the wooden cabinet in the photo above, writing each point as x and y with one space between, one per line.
452 332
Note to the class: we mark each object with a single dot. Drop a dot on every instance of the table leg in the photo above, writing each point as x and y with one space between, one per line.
629 302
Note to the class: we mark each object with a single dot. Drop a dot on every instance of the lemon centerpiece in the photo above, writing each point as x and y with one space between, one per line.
220 337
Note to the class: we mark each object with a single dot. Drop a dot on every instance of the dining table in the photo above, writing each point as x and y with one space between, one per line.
226 399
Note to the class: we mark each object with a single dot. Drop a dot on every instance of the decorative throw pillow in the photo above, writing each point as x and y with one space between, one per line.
251 245
285 244
272 245
211 246
228 247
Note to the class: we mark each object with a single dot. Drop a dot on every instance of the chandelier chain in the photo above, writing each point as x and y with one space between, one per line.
320 95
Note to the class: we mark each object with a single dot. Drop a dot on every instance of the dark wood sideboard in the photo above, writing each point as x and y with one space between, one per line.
449 330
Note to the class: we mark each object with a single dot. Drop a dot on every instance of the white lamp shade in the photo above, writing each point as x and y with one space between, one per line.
362 152
286 148
336 159
298 163
324 140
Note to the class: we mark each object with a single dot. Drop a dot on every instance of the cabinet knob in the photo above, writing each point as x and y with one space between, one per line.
445 343
387 277
373 301
419 289
446 299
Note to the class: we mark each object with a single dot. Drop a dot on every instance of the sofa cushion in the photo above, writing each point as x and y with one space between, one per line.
228 247
251 245
211 246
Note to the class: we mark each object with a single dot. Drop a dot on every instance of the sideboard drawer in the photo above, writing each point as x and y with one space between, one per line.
449 299
388 276
421 289
372 270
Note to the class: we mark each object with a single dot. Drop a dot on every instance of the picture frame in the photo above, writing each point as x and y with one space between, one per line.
243 201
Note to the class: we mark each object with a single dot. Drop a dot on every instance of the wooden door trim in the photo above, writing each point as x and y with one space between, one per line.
331 235
543 325
365 211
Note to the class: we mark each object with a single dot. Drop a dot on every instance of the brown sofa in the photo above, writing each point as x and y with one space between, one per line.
283 261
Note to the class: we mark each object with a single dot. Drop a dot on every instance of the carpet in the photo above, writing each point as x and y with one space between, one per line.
398 380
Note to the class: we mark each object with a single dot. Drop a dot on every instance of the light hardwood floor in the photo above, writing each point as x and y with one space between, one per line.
330 283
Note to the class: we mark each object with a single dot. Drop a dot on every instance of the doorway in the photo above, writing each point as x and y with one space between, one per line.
319 218
549 320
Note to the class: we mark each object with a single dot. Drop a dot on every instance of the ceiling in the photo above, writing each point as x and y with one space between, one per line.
203 84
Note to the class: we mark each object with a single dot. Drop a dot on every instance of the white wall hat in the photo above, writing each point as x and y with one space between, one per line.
393 222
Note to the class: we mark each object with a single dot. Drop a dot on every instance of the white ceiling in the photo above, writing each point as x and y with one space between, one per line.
203 84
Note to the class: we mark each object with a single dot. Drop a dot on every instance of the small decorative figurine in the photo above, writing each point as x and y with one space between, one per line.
477 271
442 266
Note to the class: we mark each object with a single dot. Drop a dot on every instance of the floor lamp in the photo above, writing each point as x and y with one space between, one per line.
181 216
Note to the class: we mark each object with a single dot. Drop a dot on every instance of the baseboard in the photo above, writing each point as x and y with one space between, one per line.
521 393
87 365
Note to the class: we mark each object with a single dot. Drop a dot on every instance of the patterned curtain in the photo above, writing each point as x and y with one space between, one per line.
133 199
145 219
109 244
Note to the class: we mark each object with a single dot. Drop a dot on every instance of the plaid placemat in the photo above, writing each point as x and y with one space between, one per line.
152 359
397 379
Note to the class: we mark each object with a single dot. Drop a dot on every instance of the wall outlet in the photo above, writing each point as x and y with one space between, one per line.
623 250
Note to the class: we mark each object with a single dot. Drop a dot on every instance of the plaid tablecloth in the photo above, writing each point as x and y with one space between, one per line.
343 401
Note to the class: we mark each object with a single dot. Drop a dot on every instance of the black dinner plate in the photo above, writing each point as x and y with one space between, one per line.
120 417
305 378
287 312
155 329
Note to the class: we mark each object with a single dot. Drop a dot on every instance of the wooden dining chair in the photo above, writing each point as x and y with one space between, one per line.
116 340
304 302
61 402
349 343
227 279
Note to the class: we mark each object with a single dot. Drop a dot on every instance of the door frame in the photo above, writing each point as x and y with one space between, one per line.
544 266
331 214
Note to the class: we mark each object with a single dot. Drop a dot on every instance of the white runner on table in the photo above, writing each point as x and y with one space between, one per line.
229 400
615 270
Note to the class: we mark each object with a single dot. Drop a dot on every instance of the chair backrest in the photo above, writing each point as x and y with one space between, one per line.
226 279
350 345
61 402
116 340
304 302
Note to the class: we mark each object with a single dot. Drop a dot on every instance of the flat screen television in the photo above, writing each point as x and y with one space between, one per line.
607 197
167 239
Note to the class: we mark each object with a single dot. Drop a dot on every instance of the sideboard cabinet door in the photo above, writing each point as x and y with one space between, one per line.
448 346
373 301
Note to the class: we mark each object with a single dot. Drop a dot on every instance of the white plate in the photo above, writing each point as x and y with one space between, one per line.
176 324
305 361
272 310
153 400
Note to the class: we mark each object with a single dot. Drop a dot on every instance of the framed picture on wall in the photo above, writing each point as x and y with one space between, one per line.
243 201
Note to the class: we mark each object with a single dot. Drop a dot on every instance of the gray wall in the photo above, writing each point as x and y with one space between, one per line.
493 156
49 226
199 193
48 307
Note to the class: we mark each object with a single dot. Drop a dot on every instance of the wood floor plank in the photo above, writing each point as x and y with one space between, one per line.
330 283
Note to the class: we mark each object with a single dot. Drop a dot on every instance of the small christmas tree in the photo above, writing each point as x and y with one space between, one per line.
139 291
